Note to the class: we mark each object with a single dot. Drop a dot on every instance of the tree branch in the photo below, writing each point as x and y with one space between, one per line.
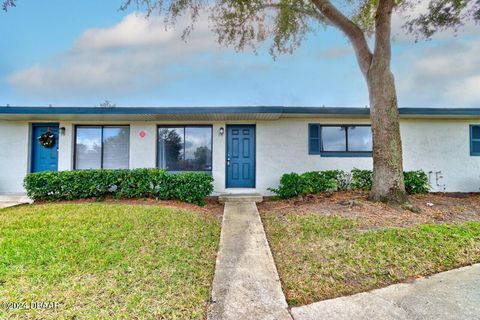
351 30
311 13
383 26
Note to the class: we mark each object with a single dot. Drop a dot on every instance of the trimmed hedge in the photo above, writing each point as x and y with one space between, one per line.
190 187
295 185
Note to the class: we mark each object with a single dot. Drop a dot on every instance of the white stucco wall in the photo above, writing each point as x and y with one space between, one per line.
442 145
143 151
65 147
14 142
282 146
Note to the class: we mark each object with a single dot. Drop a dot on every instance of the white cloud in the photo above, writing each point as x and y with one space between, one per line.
445 75
134 54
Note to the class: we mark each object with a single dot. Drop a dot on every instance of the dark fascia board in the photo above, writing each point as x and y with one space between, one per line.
440 111
233 110
135 110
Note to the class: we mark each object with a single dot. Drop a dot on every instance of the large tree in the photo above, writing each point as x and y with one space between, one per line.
248 23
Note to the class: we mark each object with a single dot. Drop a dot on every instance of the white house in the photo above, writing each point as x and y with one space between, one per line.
244 148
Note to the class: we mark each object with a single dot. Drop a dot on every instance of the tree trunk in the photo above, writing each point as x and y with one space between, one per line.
388 185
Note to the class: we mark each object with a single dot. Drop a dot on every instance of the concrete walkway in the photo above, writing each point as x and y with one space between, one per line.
449 295
6 204
8 200
246 283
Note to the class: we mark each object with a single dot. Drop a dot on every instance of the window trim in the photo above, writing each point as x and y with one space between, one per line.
472 153
347 153
101 126
157 164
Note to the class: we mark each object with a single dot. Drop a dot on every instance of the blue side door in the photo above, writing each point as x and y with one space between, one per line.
44 158
241 156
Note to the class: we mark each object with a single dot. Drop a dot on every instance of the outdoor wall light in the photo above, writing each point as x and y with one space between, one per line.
62 131
221 131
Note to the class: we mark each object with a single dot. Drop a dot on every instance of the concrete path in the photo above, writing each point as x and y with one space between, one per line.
449 295
7 204
246 283
13 199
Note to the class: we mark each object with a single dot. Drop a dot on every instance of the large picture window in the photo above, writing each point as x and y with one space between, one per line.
185 148
340 140
102 147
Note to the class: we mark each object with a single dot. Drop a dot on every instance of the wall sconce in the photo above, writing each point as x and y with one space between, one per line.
221 131
62 131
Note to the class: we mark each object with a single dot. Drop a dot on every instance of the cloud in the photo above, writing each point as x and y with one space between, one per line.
134 54
447 74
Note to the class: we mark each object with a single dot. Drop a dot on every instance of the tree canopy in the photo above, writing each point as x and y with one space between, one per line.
242 23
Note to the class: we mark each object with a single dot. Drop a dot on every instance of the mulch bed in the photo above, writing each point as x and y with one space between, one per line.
435 208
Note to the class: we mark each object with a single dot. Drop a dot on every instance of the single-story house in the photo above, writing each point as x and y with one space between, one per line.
243 148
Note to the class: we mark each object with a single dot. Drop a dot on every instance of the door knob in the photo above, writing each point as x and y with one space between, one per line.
228 161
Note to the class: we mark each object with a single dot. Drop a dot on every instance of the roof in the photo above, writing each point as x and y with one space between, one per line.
216 113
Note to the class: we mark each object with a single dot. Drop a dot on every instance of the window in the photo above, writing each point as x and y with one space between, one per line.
185 148
102 147
475 140
338 140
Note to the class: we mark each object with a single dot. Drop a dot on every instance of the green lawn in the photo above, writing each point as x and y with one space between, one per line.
107 261
322 257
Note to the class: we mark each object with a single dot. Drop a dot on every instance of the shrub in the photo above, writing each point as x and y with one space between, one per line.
416 182
361 179
190 187
318 181
293 184
343 180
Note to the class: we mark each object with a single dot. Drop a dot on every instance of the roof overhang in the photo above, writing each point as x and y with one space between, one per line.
215 113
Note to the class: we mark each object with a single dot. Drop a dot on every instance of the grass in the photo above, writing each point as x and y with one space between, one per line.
107 261
322 257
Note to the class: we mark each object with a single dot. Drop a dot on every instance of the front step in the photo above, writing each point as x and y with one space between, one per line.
245 197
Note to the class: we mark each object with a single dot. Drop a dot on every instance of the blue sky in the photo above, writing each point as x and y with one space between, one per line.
81 53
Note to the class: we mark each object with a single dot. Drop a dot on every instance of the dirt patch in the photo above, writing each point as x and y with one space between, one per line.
435 208
211 207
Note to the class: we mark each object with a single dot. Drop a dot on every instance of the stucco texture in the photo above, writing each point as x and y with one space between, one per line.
441 147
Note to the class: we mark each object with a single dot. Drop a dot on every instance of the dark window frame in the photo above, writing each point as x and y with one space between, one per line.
472 140
345 153
101 126
184 126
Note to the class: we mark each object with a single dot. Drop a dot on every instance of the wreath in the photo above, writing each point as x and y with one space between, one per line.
47 139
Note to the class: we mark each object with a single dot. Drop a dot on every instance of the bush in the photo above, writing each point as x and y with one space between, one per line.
318 181
293 184
190 187
416 182
361 179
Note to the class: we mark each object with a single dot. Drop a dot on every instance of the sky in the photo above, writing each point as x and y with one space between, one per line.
82 53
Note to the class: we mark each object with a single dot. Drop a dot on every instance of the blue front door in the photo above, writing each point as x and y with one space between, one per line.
241 156
44 158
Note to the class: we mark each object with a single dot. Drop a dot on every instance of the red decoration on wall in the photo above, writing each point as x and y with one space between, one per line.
142 134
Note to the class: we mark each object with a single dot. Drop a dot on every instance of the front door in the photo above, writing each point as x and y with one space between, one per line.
44 157
241 156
